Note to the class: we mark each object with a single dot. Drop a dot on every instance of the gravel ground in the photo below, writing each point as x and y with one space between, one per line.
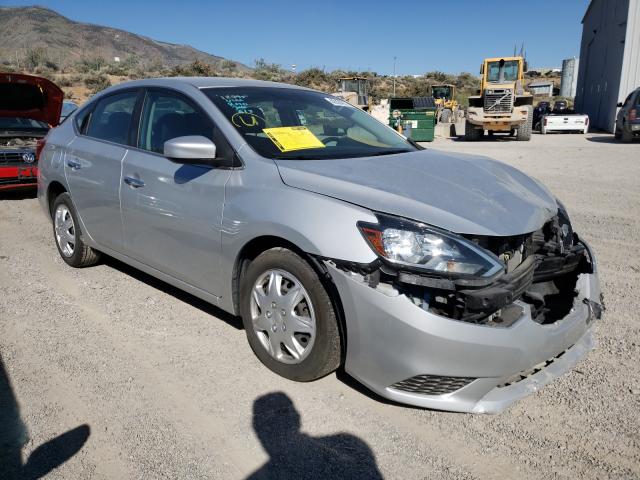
144 381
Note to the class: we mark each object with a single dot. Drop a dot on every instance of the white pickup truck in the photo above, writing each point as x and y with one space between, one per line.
556 122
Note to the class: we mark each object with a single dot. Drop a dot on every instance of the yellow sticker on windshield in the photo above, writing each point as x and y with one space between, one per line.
293 138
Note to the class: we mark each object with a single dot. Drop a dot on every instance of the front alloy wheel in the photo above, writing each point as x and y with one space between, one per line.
289 318
282 316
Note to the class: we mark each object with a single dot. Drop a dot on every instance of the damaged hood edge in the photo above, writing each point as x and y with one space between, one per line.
463 194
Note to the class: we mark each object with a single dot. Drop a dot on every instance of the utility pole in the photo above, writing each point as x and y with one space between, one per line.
394 76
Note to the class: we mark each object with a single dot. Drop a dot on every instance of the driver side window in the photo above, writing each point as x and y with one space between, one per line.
165 116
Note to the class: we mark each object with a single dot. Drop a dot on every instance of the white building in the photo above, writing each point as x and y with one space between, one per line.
609 59
541 87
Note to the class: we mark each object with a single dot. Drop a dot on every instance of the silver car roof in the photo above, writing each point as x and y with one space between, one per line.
204 82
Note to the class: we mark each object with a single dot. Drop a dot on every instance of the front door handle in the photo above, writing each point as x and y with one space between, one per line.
73 165
133 182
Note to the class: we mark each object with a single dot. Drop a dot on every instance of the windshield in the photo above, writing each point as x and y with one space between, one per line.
509 71
442 92
299 124
18 123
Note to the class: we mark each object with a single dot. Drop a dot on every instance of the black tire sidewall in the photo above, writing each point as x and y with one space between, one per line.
74 260
325 354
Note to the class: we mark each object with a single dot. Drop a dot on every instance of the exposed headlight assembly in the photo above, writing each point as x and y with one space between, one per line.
418 246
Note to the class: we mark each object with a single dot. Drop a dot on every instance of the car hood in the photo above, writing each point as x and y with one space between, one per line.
32 97
460 193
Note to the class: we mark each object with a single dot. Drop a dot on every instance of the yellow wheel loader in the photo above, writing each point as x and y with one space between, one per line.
354 90
503 105
446 103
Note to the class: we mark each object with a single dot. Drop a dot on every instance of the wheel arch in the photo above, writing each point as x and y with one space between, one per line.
54 190
258 245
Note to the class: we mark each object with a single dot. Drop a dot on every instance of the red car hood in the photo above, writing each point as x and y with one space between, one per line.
32 97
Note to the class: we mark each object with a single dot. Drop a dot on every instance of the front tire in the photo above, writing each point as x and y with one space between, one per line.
68 236
471 134
524 130
288 316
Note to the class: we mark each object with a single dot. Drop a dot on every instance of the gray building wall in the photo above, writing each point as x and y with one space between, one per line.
609 65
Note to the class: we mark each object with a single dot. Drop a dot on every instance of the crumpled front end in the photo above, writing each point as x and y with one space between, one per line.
472 346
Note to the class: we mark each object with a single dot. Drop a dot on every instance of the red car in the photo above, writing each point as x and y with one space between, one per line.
29 107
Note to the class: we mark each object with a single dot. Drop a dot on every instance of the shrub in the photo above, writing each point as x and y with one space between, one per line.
96 83
89 65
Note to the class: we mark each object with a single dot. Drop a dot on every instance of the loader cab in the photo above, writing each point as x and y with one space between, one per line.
357 85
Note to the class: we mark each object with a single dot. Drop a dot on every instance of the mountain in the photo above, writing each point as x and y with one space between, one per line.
23 28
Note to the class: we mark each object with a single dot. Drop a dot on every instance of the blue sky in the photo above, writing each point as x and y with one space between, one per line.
446 35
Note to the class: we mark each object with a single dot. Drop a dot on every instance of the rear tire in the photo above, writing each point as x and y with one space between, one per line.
471 134
627 136
280 340
524 130
68 236
617 133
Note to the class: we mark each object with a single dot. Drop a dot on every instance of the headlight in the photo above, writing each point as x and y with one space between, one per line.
564 223
427 248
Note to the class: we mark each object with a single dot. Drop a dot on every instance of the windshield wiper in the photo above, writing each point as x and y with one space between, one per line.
299 157
392 151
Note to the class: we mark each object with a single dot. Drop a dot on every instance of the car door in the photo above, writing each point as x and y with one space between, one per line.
172 212
92 165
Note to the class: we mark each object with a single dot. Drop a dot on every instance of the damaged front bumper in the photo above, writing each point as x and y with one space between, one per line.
411 355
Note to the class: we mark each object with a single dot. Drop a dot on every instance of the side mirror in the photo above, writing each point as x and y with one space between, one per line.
619 104
192 149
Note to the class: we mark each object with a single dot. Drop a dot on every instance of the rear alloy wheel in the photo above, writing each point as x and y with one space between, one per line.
66 231
289 317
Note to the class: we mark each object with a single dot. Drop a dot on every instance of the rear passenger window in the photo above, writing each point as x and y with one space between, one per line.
166 116
112 116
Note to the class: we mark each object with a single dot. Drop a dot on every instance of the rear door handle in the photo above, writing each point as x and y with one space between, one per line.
133 182
73 165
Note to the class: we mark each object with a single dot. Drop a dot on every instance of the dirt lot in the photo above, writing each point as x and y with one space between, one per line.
164 386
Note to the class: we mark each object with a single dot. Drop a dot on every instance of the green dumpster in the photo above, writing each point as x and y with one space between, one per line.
417 116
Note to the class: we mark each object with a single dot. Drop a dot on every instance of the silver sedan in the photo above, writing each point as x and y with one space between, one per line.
442 281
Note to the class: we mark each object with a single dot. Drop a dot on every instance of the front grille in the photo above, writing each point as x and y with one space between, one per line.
432 384
499 100
13 158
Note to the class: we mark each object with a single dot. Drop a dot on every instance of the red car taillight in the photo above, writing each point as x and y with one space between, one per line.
545 121
633 114
40 146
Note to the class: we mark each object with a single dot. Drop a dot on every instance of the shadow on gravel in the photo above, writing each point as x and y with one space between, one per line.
22 194
13 436
235 322
610 139
294 454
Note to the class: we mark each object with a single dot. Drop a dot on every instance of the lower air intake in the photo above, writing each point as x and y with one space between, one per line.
432 384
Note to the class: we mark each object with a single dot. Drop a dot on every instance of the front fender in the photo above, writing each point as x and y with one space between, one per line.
258 203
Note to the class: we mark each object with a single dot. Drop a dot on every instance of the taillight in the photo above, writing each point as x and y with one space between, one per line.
545 121
40 146
586 122
633 114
